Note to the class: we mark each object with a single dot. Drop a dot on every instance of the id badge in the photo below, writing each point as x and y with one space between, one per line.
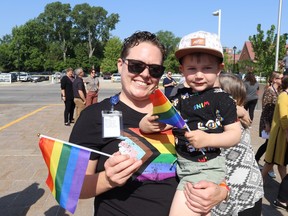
112 123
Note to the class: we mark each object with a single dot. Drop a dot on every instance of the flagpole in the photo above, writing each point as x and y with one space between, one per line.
77 146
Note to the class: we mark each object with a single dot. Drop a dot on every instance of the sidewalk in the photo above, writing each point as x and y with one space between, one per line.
23 190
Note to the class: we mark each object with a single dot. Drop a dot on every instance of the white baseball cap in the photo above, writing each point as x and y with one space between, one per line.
200 41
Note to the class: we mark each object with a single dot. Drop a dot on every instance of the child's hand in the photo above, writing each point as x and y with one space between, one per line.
197 138
149 124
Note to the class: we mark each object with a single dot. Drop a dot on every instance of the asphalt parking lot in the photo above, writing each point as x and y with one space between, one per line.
23 172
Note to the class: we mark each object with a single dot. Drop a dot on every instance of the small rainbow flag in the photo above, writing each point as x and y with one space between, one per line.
165 110
66 170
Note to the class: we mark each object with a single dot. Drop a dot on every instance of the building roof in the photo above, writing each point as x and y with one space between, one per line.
247 52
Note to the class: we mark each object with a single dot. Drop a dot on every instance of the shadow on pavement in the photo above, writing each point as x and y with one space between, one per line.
20 202
55 210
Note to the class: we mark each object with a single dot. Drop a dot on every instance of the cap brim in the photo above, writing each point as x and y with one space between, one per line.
186 51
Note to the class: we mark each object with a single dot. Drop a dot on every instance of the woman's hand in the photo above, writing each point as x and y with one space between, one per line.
203 196
119 168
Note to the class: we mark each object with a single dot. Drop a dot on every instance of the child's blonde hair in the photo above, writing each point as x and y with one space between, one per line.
233 86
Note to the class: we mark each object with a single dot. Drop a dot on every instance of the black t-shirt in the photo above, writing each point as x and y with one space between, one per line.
67 85
209 111
151 190
78 84
168 89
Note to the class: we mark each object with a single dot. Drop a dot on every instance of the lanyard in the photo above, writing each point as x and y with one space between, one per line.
114 100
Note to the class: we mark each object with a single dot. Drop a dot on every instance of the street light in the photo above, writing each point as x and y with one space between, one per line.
218 13
234 50
278 35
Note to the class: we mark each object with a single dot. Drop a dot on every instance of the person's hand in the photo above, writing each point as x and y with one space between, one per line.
267 128
243 116
149 124
197 138
119 168
203 196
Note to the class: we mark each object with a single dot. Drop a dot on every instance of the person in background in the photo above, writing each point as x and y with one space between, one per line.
92 86
252 90
79 92
282 197
67 96
118 183
269 100
277 148
285 63
242 175
168 83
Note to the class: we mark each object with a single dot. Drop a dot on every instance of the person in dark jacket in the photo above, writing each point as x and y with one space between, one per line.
68 96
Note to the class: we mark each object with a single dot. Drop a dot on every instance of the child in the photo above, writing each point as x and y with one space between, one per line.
242 172
210 113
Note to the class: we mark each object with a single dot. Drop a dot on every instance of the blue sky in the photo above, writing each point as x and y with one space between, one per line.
238 21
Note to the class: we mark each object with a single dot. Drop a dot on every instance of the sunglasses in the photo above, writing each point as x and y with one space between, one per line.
137 67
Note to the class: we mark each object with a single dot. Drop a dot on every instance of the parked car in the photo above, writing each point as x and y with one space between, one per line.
14 76
58 75
106 75
38 78
116 77
25 77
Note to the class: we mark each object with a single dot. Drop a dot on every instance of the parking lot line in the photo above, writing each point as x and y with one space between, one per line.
23 117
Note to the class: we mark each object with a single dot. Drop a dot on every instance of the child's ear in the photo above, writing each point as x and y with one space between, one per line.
181 69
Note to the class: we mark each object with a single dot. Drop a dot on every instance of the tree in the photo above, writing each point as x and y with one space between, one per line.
111 54
170 42
6 54
91 25
265 49
56 18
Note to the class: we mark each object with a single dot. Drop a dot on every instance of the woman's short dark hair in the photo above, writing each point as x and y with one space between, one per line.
138 37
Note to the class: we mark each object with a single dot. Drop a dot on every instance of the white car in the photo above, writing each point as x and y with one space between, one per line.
116 77
25 77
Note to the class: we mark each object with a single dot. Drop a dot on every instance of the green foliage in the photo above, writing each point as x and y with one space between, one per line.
170 42
265 49
58 38
111 54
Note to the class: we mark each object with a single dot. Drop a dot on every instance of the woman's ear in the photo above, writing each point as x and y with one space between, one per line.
120 65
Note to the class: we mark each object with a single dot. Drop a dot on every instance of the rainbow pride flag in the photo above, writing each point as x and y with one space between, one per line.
66 170
165 110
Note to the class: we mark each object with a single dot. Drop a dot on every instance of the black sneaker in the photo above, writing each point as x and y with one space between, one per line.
280 205
67 124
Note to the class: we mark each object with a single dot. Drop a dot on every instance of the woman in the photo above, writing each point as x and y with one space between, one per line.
122 185
269 100
67 96
277 151
252 88
92 86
